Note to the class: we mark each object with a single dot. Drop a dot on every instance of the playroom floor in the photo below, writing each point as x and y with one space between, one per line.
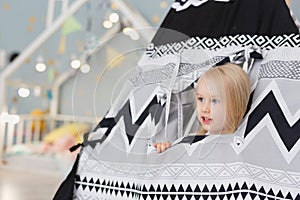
32 177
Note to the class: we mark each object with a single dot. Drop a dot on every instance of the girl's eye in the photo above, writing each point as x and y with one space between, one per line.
201 99
215 101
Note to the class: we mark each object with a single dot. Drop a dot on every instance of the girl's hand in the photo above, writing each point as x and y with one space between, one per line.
162 146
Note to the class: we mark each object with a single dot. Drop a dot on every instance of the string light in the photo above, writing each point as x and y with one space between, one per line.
113 17
132 33
85 68
40 65
23 92
75 63
126 30
107 24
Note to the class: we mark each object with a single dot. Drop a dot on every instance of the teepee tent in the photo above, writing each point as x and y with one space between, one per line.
260 160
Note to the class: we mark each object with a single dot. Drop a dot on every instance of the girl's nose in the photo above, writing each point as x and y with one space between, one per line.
206 107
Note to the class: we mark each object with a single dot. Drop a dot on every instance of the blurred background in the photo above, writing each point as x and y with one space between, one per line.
62 62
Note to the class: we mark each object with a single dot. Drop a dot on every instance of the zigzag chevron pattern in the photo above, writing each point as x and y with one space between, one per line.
140 191
270 110
264 42
288 134
154 109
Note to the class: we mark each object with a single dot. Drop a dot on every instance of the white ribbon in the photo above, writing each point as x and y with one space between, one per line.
169 92
188 3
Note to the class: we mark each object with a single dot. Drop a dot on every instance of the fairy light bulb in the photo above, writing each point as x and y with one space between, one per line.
107 24
40 65
23 92
85 68
75 63
114 17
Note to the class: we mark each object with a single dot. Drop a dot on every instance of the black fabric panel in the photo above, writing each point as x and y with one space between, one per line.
216 19
66 189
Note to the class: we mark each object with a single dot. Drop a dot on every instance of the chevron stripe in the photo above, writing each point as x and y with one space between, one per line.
154 109
284 129
288 134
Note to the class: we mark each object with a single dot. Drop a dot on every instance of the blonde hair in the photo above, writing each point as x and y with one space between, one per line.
234 83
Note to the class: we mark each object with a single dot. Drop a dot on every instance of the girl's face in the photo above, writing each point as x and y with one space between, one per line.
211 107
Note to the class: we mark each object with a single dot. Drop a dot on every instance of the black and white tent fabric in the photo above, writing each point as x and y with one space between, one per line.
261 160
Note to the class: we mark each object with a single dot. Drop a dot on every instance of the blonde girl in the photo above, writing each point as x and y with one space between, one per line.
222 95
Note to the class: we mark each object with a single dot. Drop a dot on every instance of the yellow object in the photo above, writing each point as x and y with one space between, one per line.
62 44
5 6
75 129
38 123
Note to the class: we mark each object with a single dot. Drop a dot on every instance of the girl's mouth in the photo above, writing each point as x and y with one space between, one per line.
206 120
